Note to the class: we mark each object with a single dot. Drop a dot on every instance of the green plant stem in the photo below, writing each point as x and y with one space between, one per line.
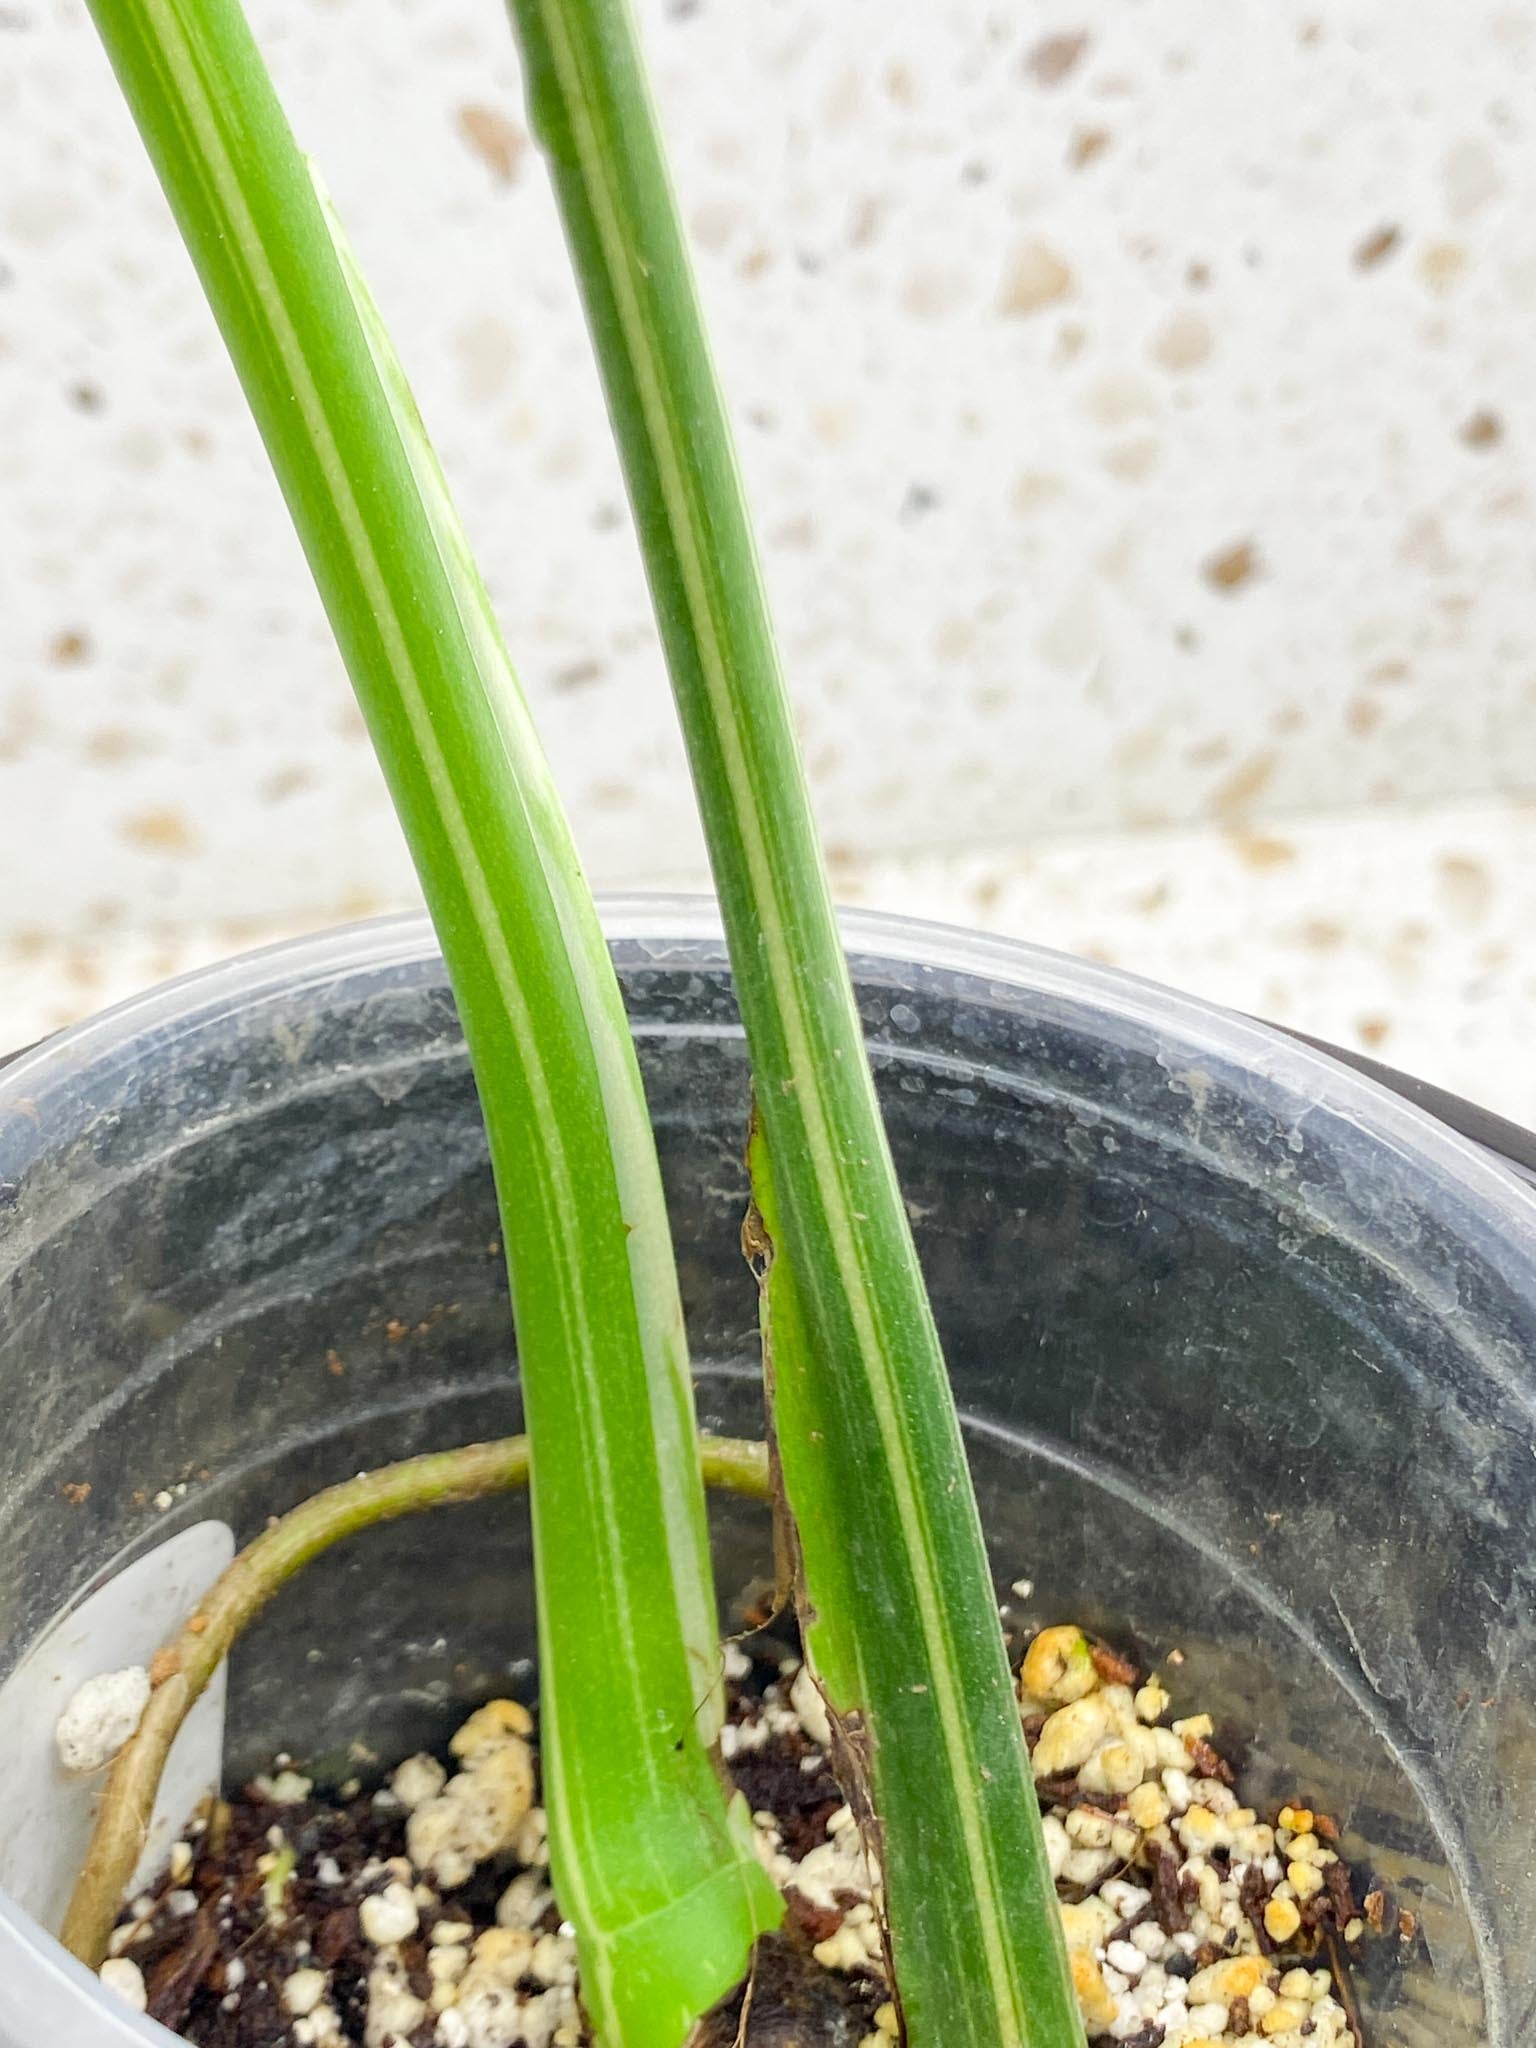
898 1601
184 1665
655 1866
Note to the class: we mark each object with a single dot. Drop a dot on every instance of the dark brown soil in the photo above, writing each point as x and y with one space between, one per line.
218 1916
186 1961
215 1957
795 2003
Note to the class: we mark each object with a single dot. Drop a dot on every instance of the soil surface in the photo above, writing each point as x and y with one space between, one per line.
420 1915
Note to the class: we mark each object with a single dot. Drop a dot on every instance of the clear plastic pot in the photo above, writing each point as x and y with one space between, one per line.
1243 1342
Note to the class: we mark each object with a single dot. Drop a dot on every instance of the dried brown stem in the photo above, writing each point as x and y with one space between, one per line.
182 1668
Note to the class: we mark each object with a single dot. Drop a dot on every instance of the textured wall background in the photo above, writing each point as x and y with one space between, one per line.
1135 398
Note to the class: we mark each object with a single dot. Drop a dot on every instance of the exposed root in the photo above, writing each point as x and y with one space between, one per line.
181 1669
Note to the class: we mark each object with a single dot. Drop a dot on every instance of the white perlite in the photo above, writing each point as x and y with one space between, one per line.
389 1916
285 1788
1126 1977
127 1980
394 2010
418 1779
805 1697
304 1990
100 1718
456 1824
478 1812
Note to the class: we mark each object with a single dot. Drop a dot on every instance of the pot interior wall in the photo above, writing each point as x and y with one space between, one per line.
1238 1382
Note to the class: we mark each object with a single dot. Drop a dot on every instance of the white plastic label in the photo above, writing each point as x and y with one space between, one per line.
45 1815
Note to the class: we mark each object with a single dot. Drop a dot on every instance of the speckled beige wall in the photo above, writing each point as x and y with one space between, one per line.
1136 401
